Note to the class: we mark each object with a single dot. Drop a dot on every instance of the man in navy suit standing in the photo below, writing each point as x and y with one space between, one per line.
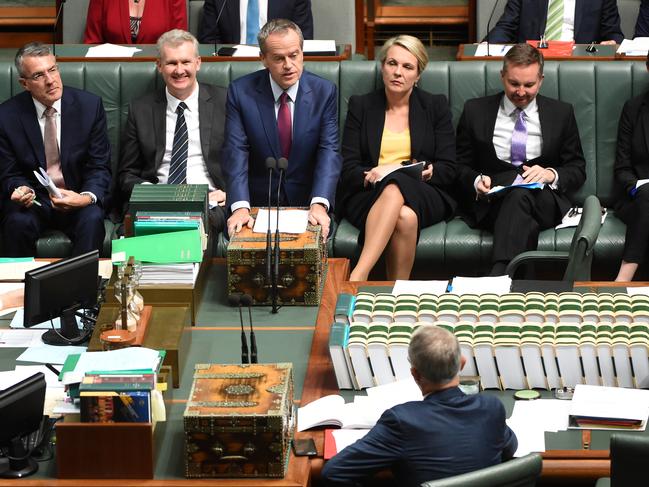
583 21
445 434
281 111
61 130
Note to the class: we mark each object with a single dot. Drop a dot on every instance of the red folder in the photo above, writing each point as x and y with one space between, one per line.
555 48
329 444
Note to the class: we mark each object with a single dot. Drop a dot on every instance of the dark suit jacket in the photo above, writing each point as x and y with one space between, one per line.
642 24
145 137
228 30
251 137
476 154
108 21
431 138
523 20
632 156
446 434
85 149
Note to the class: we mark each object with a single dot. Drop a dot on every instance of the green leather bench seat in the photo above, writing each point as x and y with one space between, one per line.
597 90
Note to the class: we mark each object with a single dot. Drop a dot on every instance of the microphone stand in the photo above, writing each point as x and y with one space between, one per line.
282 164
218 17
246 299
491 16
56 24
271 163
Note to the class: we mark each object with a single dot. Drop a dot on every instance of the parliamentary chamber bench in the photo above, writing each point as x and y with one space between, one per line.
597 90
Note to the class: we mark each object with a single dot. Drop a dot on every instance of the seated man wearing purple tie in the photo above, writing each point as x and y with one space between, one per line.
518 137
61 130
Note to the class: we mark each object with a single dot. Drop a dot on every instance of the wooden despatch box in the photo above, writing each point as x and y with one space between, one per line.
239 421
301 267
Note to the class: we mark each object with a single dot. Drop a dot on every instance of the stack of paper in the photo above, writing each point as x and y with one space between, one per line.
634 47
613 408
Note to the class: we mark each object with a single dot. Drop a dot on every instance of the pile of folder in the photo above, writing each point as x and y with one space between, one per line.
512 341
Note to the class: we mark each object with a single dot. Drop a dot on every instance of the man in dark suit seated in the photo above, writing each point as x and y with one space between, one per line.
175 135
583 21
642 24
239 21
281 111
446 434
518 137
61 130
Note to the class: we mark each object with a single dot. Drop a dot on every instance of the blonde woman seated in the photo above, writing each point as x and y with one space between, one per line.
397 123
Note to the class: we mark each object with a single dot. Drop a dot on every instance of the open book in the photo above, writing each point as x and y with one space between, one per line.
332 410
414 170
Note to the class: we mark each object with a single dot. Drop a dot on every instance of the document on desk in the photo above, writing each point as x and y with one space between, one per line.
419 287
17 322
290 221
609 408
632 290
131 358
242 50
49 354
20 338
481 285
634 47
111 50
492 50
498 189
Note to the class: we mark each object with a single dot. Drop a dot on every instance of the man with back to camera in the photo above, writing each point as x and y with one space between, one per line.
61 130
240 20
281 111
175 135
518 137
445 434
583 21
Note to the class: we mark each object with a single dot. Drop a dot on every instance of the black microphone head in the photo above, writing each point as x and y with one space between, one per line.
282 163
234 299
271 163
246 300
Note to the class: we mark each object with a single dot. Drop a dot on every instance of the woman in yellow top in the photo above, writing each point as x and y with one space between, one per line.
396 123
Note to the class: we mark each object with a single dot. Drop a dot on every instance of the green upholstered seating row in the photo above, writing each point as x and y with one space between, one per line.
597 90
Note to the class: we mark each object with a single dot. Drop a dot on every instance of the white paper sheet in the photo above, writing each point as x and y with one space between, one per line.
610 402
20 338
572 218
632 290
530 437
481 285
494 49
17 322
290 221
246 51
419 287
111 50
344 438
49 354
634 47
319 45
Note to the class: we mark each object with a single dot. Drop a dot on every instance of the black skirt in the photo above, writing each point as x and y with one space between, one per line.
424 199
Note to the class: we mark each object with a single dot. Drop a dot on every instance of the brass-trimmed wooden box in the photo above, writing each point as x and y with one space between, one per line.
302 264
239 421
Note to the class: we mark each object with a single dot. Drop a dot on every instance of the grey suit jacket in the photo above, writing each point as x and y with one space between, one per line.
144 139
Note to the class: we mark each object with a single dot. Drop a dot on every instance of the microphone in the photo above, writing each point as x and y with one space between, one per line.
218 17
56 24
271 164
246 300
493 11
282 165
235 300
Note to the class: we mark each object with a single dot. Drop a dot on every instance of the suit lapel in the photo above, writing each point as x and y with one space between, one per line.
301 114
266 106
375 125
159 117
29 121
68 127
644 111
547 125
493 106
205 112
416 117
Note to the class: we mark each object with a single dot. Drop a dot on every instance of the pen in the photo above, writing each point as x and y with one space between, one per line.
36 202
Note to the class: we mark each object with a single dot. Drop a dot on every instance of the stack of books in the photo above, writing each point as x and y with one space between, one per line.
512 341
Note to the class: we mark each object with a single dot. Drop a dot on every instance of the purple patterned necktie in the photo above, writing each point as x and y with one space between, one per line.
519 143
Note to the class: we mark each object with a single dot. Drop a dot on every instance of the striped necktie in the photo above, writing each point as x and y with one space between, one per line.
179 149
519 143
554 25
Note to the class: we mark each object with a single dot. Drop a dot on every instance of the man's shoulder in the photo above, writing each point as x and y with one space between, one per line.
148 98
83 96
483 101
314 80
553 103
211 90
250 79
15 102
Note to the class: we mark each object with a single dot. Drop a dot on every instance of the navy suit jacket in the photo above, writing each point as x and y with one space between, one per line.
523 20
446 434
228 30
251 136
642 25
85 149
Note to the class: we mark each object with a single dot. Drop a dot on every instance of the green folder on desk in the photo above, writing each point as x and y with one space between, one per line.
161 248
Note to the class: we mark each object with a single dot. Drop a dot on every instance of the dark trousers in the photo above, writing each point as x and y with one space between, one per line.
635 213
21 228
517 217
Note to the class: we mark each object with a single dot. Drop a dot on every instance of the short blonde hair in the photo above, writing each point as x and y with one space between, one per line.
410 44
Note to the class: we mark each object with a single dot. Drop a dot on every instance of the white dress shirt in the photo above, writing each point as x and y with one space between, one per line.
196 168
243 17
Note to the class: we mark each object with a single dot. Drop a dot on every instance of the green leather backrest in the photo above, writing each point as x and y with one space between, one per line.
597 90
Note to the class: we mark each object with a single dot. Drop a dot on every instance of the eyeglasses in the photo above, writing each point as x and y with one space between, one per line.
41 74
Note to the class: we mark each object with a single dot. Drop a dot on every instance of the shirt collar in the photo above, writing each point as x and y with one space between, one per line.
509 108
277 90
191 101
40 108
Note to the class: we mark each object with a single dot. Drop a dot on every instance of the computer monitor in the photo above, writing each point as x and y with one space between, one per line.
59 290
21 413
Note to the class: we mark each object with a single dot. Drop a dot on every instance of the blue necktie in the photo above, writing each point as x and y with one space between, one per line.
519 142
179 149
252 22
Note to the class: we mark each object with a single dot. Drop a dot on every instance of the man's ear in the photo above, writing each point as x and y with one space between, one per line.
462 361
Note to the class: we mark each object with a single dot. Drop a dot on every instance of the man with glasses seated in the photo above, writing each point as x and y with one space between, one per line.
61 130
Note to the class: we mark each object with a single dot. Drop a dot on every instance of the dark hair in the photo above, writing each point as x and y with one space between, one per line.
278 25
523 55
36 49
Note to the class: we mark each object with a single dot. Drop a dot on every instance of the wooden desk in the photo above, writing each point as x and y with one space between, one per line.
466 52
583 464
20 25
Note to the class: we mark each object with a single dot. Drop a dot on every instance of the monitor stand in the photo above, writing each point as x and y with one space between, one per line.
21 466
68 334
